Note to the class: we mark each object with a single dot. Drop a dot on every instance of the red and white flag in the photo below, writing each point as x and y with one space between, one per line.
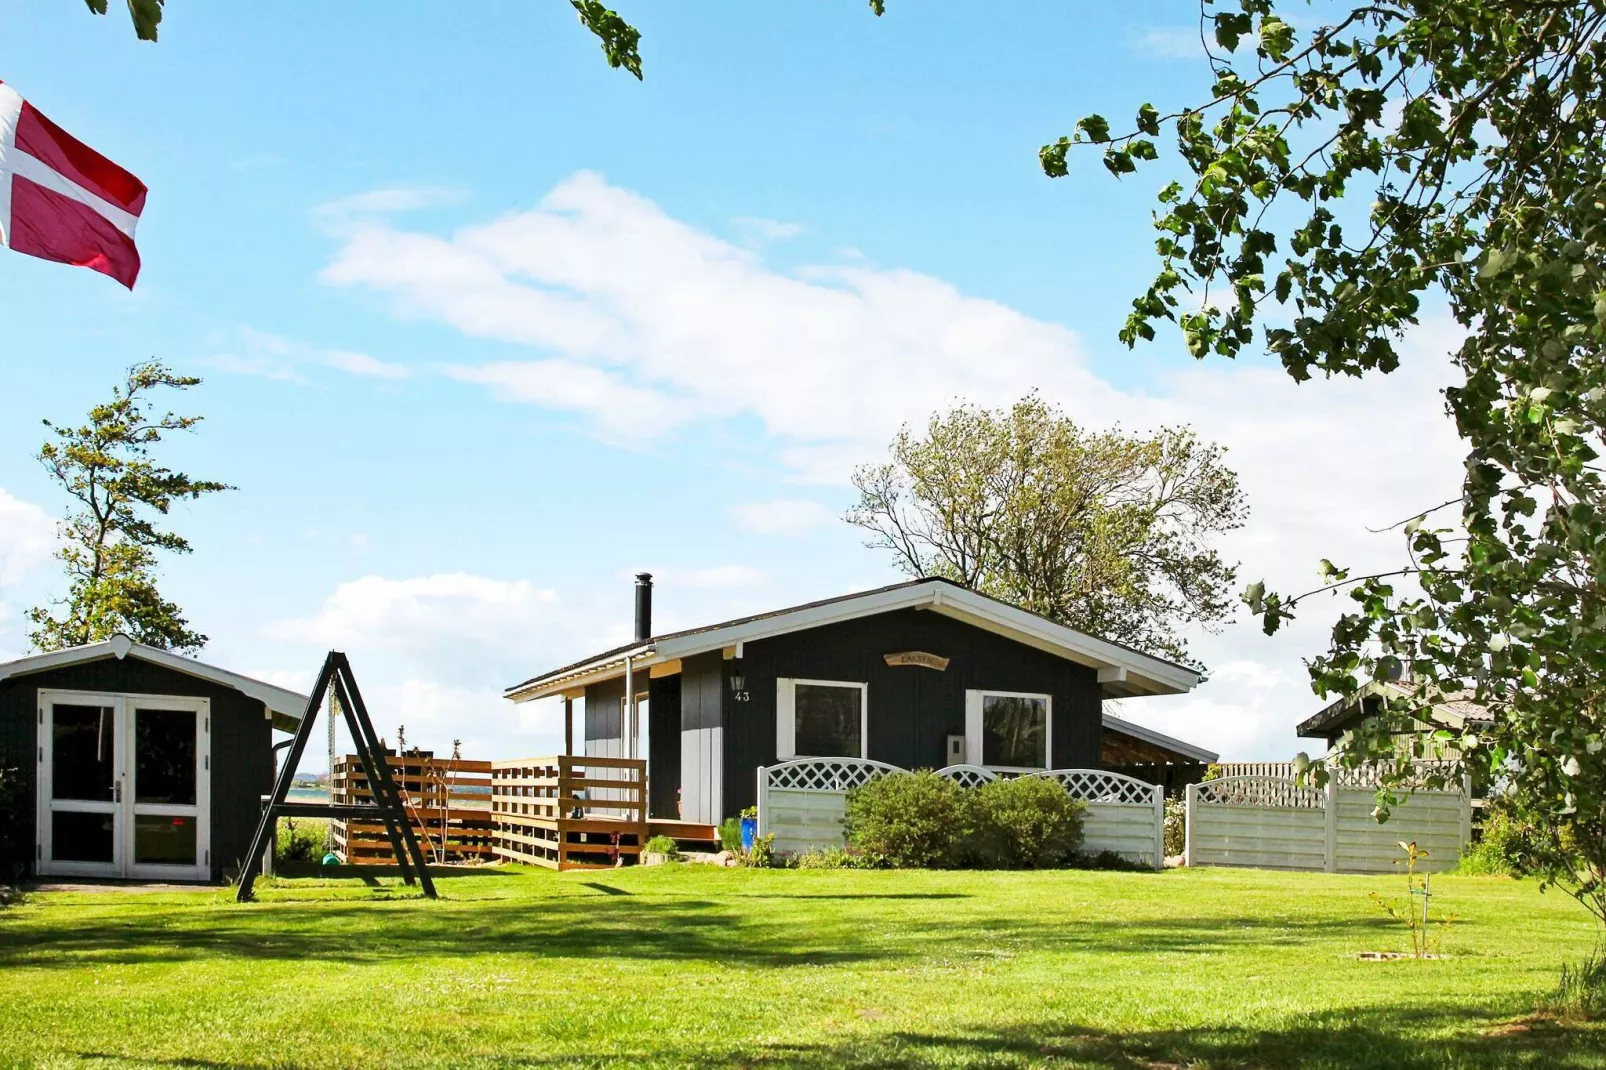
60 199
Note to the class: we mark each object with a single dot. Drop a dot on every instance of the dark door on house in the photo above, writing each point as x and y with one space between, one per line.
663 749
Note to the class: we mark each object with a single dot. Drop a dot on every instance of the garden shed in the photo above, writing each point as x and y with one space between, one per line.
136 762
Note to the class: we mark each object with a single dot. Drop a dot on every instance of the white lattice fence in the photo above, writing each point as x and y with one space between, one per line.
968 776
1124 814
803 802
1275 823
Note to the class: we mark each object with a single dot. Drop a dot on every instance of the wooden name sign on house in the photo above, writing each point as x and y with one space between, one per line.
919 658
906 675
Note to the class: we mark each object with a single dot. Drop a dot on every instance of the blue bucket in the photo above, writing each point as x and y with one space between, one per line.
749 832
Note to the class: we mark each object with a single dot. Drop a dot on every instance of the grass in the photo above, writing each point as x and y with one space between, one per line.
684 965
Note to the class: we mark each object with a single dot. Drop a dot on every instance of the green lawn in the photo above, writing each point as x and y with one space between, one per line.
685 965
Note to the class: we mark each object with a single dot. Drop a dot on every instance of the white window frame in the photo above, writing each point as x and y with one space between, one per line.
786 717
973 728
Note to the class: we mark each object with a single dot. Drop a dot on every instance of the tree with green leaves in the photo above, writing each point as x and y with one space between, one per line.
1449 153
110 542
620 40
1105 532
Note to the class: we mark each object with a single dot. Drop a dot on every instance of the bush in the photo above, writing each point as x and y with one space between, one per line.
16 826
1503 843
663 845
300 841
730 835
912 820
1024 823
762 856
838 858
1176 827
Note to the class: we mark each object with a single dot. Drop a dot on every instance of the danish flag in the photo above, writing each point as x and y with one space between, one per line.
60 199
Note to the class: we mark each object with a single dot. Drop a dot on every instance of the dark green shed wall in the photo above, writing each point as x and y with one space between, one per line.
242 740
912 710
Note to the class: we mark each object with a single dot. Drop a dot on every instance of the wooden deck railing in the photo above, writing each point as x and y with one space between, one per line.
569 811
448 802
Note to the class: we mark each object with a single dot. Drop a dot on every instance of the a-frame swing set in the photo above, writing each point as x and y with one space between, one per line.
337 686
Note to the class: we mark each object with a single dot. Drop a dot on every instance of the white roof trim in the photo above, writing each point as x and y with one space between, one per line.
278 700
1159 739
1143 675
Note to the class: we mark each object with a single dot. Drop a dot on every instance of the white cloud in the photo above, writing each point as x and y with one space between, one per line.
270 356
767 229
257 365
430 617
392 199
1167 42
781 517
435 653
27 539
618 296
622 413
720 576
641 323
363 364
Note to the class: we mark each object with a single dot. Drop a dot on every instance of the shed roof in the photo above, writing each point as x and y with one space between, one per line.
1159 740
1455 710
286 707
1122 670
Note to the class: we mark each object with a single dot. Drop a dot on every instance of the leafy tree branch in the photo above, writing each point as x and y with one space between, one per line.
1473 134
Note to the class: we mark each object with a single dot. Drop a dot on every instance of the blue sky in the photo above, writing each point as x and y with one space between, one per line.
487 326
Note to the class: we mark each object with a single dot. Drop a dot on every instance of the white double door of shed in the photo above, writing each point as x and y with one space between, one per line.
124 786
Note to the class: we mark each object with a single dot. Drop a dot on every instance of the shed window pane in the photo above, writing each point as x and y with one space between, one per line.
1014 731
82 837
829 718
81 742
164 757
163 840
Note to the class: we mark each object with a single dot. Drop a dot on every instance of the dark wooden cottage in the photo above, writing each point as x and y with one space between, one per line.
139 763
921 674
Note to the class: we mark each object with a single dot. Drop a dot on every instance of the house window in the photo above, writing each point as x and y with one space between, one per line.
820 719
1008 729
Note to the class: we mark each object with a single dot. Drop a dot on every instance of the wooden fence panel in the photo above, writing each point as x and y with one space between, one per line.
802 803
1274 823
1125 815
1265 837
1435 820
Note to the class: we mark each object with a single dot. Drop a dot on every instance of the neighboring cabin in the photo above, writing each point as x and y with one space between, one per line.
1455 712
921 674
141 763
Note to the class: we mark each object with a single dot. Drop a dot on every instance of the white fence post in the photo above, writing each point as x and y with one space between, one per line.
1159 826
1192 797
1330 800
763 800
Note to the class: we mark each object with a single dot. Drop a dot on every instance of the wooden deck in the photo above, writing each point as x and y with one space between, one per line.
448 802
570 811
563 812
691 835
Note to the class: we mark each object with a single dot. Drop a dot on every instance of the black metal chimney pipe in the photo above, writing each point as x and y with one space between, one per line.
643 606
